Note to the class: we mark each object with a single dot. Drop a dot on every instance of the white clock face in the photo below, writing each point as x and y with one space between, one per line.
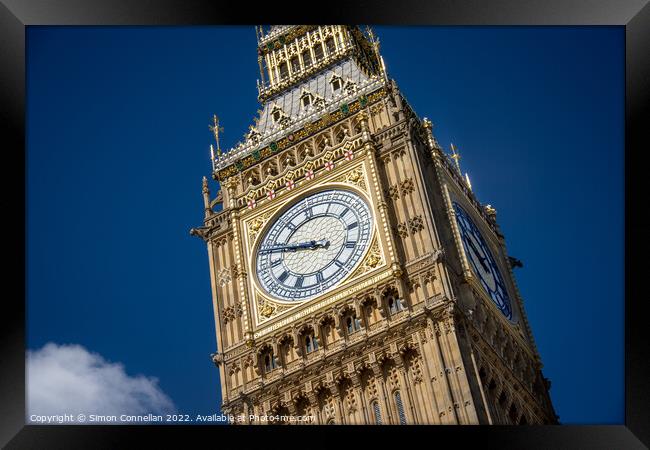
312 246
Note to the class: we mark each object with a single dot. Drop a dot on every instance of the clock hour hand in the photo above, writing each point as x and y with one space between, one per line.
481 258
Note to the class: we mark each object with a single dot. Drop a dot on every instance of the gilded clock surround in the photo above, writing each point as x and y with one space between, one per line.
355 179
409 336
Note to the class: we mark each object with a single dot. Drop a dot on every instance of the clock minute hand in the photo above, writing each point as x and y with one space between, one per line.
323 243
277 248
294 247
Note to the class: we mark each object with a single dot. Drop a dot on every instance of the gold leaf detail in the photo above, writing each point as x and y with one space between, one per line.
355 177
268 309
373 259
256 224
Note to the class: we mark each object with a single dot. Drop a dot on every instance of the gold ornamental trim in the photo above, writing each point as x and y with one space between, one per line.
297 136
322 303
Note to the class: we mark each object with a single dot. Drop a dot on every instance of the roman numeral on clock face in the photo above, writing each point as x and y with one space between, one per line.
350 244
319 277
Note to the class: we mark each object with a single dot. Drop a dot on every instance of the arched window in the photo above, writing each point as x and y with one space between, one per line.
400 408
306 98
331 48
352 323
284 71
287 355
318 51
295 64
394 305
306 59
277 114
270 362
336 84
311 343
377 412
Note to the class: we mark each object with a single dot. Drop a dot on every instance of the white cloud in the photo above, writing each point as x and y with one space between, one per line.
68 379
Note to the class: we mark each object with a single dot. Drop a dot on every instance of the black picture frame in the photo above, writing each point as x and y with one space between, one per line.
15 15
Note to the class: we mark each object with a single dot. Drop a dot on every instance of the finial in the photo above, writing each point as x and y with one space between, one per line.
206 198
456 156
215 128
258 33
469 184
371 35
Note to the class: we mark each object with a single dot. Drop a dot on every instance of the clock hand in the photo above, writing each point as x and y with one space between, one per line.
481 258
293 247
323 243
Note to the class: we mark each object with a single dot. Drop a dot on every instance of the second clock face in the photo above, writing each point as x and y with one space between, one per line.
313 245
482 261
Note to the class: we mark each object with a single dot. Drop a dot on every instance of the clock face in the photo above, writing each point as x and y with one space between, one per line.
313 245
482 261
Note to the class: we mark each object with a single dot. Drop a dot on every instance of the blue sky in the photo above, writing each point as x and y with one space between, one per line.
118 140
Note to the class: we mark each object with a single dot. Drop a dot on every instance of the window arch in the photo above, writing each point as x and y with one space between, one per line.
331 47
270 361
318 51
394 305
377 412
400 408
295 64
391 297
306 59
337 83
306 99
284 71
278 114
352 323
311 342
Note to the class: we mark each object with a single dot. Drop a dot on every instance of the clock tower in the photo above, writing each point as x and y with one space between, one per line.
356 279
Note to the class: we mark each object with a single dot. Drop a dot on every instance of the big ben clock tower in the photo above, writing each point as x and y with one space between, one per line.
355 277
